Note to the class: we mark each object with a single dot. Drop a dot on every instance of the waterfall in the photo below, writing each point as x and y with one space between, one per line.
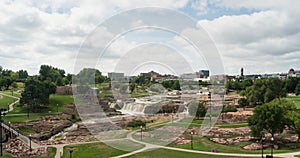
134 107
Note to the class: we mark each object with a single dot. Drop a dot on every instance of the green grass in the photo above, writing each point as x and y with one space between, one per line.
15 94
238 125
59 100
5 101
26 130
23 118
294 99
204 144
7 155
172 154
51 154
93 150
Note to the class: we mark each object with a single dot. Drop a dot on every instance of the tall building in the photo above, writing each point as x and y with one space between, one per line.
242 72
204 73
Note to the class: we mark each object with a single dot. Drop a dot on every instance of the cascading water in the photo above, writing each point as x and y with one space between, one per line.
134 107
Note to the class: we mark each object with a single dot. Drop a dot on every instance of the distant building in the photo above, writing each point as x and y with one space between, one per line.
242 72
154 76
203 74
116 76
189 76
292 72
64 90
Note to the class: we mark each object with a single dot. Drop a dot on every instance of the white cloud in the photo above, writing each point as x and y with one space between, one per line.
201 6
257 41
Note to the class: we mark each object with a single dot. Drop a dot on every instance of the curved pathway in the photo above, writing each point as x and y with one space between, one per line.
154 146
11 106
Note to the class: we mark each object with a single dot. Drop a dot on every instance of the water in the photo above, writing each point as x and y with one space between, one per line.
63 133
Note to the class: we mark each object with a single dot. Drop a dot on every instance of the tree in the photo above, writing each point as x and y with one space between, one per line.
265 90
36 93
171 84
22 74
132 87
291 83
297 90
50 73
197 109
270 117
243 102
90 76
295 122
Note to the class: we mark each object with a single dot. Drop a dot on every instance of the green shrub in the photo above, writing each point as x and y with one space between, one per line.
136 123
230 109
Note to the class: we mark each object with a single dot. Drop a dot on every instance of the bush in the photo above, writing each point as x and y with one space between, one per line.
230 109
136 123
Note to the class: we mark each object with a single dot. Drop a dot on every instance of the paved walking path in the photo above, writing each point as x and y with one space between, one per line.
11 106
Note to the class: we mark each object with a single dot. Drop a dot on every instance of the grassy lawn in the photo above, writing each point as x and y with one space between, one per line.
171 154
51 154
7 155
23 117
5 101
294 99
15 94
26 130
92 150
59 100
204 144
238 125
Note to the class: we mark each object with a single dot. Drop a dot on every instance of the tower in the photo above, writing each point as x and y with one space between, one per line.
242 72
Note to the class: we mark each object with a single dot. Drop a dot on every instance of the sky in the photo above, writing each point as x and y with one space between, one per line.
260 36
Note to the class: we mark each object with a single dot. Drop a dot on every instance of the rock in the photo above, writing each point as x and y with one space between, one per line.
253 146
18 148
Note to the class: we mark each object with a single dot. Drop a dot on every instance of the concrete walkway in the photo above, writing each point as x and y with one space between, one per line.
11 106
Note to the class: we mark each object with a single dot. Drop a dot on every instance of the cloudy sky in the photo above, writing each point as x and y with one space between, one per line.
262 37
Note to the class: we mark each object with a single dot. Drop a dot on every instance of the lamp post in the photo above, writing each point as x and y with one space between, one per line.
209 97
141 133
9 129
57 108
262 146
191 140
2 113
30 149
29 97
222 99
71 151
272 147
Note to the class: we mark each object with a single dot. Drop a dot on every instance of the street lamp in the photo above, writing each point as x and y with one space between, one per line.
30 149
141 133
209 97
71 150
191 140
2 113
9 129
262 146
29 97
57 108
272 147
